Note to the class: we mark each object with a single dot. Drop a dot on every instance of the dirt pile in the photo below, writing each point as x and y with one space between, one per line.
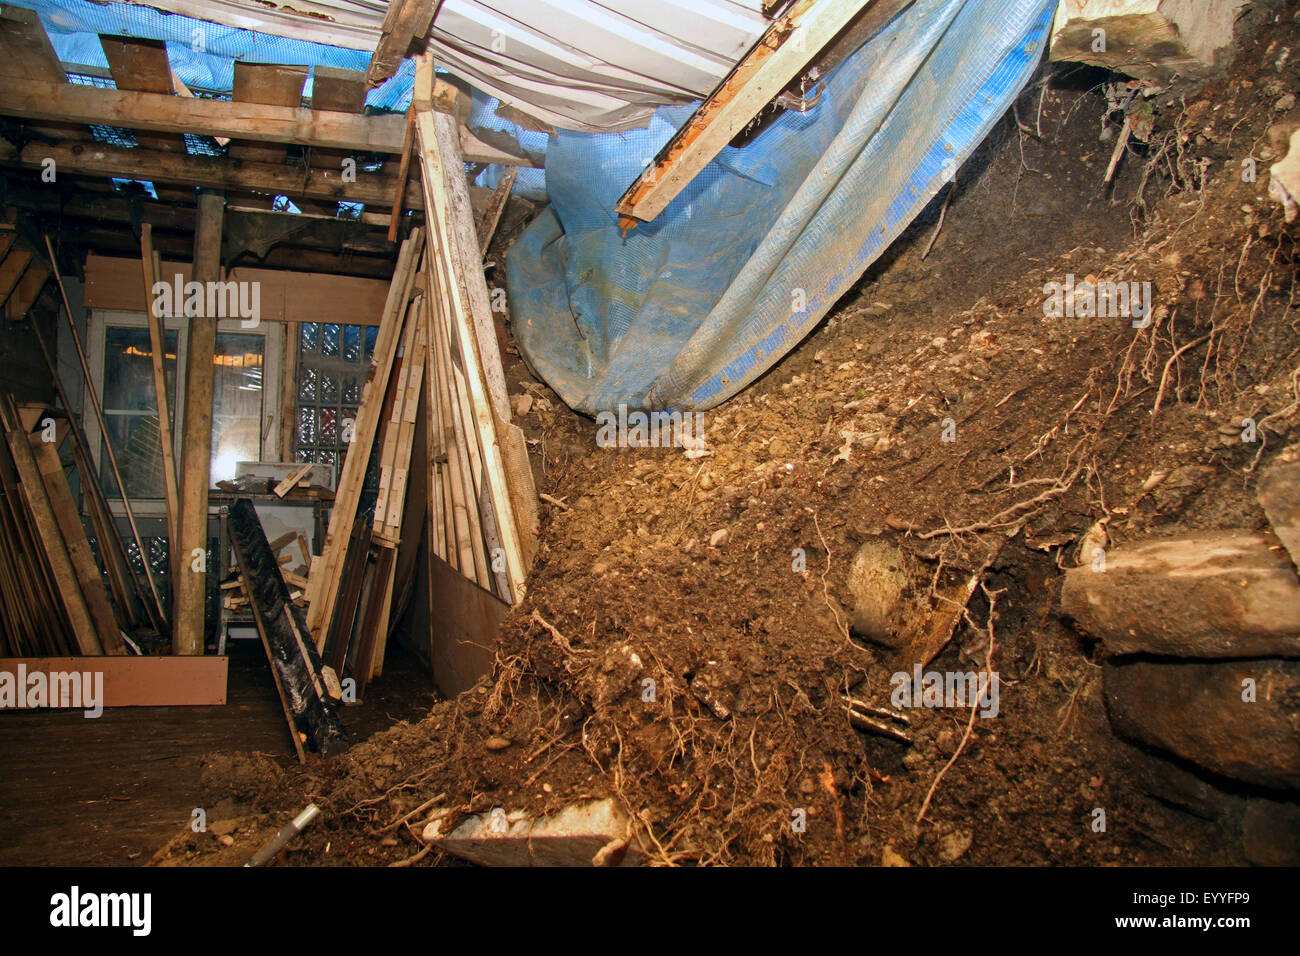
685 646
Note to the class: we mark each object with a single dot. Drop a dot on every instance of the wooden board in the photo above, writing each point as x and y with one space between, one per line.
113 283
788 45
196 438
327 571
82 557
334 88
56 551
140 681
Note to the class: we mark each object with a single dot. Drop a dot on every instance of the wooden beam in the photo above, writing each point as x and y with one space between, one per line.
177 114
214 172
113 283
196 438
789 43
405 21
140 681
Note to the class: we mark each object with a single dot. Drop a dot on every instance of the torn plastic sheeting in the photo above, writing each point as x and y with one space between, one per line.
687 310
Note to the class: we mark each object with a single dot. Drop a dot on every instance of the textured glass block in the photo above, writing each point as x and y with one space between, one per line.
306 426
372 336
352 343
329 388
329 340
327 458
327 434
352 389
307 385
308 336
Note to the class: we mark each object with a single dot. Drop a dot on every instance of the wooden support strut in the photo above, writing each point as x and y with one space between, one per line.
196 438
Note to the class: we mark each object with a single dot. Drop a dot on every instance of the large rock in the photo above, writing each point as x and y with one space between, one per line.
1149 39
1279 493
1230 594
1196 711
595 832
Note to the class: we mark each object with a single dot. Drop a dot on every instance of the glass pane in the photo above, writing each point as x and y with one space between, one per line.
329 340
131 410
309 332
352 343
236 403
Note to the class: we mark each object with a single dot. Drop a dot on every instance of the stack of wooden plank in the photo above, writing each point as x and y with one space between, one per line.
53 599
454 476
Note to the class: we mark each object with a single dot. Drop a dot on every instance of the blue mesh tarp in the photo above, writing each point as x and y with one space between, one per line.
685 311
201 53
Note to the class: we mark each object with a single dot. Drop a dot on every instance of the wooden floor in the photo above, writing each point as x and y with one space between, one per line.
110 791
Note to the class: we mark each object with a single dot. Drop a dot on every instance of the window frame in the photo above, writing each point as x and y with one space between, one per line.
273 349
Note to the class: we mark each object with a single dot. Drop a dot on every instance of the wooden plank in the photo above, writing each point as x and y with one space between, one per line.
403 173
291 480
28 290
11 271
139 681
269 179
25 50
27 56
329 129
138 64
327 571
196 437
451 235
113 283
487 224
334 88
267 84
142 65
161 112
56 552
788 45
74 537
465 627
158 361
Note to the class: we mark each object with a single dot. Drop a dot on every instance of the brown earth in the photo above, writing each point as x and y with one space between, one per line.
1059 425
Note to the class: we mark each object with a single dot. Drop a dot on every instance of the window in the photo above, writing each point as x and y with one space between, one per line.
131 410
236 403
245 424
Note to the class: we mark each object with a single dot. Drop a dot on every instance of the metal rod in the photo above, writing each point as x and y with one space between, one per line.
103 427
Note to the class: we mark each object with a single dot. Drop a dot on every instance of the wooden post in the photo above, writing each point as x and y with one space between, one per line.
196 437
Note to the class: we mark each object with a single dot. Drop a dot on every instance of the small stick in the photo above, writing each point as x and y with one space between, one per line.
876 727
